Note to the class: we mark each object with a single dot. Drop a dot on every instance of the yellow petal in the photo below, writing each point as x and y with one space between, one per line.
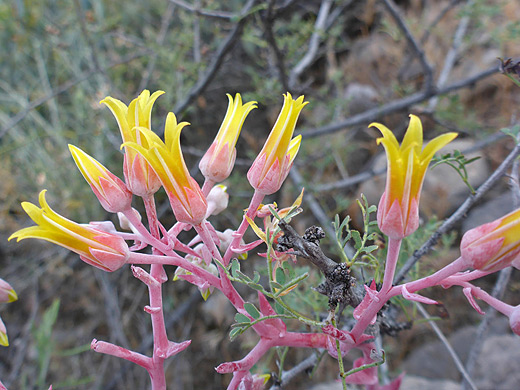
256 229
413 138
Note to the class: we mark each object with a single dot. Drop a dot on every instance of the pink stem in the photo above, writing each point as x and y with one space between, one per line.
500 306
160 338
207 186
239 233
439 277
392 255
384 295
120 352
175 259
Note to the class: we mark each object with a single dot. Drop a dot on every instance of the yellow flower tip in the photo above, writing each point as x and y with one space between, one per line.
12 295
4 341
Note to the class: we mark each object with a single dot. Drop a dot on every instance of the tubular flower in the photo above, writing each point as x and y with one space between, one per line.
139 176
272 165
217 163
186 198
494 245
100 249
112 193
4 340
7 293
398 211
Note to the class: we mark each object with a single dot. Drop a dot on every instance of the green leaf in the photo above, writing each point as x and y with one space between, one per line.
256 286
357 239
370 248
242 276
256 277
252 310
235 267
235 332
279 308
239 317
280 276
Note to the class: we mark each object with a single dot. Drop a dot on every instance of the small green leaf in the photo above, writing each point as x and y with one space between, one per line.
370 248
279 308
252 310
276 285
239 317
280 276
372 209
357 239
256 286
235 267
242 276
235 332
256 277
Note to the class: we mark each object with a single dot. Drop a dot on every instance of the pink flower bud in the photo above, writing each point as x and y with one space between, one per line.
7 293
494 245
109 189
218 162
274 161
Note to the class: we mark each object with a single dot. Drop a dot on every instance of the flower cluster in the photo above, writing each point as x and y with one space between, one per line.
210 261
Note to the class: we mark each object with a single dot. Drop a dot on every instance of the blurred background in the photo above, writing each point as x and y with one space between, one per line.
355 61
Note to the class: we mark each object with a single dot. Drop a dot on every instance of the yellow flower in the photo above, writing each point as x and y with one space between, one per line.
217 163
101 249
187 201
398 213
139 177
493 246
109 189
272 165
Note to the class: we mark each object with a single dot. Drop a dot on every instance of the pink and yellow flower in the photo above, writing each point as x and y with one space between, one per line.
398 211
7 293
494 245
139 176
187 201
112 193
218 162
272 165
98 248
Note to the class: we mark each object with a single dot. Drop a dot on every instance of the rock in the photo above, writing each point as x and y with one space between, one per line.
432 360
360 97
497 365
411 382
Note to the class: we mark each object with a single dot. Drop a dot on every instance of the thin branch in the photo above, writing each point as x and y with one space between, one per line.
64 88
314 205
459 214
205 12
161 36
451 56
289 375
437 19
395 105
314 43
448 346
427 68
217 59
271 41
